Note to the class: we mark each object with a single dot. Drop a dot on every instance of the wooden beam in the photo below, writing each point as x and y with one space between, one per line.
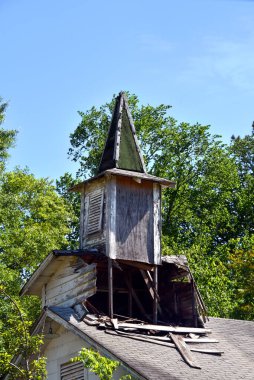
194 307
149 339
149 283
177 329
110 289
130 294
155 300
184 350
134 295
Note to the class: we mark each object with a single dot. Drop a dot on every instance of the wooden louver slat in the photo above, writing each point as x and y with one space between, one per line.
95 209
72 371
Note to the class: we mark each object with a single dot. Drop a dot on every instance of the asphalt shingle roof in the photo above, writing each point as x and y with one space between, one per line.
152 361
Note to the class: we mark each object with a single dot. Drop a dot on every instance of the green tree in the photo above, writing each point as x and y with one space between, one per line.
102 366
34 219
7 138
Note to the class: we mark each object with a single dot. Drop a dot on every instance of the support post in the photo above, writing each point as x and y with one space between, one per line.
110 289
194 312
130 295
155 300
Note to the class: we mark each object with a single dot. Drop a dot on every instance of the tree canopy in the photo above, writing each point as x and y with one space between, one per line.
34 219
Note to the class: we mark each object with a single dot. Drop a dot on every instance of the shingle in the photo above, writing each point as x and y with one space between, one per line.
152 361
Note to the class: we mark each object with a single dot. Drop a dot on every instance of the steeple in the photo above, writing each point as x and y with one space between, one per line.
122 150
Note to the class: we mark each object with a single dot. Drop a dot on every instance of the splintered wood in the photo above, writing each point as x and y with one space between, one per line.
176 337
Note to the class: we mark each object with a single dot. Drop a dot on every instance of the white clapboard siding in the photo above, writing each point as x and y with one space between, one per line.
72 288
61 274
72 371
95 210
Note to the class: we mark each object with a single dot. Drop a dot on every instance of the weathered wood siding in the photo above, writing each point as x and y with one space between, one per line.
134 224
92 216
70 284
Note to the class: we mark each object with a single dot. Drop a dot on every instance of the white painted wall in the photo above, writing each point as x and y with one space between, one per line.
62 348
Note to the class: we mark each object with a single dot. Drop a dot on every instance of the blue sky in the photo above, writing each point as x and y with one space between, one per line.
61 56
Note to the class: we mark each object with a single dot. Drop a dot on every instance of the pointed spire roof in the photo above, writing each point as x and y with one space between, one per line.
121 149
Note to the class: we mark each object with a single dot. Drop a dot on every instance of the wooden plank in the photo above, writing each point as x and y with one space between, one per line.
118 133
111 218
149 283
110 289
155 300
167 338
134 221
135 297
150 339
81 218
83 289
194 307
129 294
157 223
207 351
114 322
184 350
72 281
134 133
136 264
177 329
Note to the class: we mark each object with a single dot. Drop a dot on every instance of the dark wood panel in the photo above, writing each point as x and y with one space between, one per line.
134 220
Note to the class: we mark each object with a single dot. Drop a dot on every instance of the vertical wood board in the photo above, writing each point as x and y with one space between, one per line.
111 218
134 220
157 222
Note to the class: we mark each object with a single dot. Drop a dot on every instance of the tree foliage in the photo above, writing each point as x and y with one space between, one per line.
34 219
209 213
102 366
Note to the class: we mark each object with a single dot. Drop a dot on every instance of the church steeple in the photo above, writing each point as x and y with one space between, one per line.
122 150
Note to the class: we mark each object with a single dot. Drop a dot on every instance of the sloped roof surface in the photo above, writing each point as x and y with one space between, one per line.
152 361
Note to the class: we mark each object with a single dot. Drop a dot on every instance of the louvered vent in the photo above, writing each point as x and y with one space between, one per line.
72 371
95 208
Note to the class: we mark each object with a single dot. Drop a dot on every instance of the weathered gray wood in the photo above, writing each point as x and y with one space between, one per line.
80 292
114 322
72 282
81 219
65 274
157 223
155 300
184 350
172 329
93 231
43 296
135 297
134 221
149 283
111 218
110 289
149 339
207 351
129 294
167 338
194 307
118 133
134 133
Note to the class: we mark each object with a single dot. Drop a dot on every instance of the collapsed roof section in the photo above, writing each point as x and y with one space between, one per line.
121 149
80 277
